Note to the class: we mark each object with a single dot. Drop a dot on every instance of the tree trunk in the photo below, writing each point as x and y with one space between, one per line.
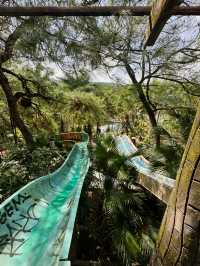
150 114
62 126
14 114
146 105
179 237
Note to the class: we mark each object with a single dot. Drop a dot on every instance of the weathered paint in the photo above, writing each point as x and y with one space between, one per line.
36 223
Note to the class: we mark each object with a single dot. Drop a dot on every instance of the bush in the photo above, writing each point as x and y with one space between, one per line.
21 165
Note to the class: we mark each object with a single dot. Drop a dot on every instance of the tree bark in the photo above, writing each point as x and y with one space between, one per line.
14 113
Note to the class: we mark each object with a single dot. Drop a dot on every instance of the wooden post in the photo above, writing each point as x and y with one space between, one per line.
179 237
160 13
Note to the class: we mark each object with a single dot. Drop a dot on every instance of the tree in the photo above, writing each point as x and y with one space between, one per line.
14 42
25 40
118 43
6 54
84 108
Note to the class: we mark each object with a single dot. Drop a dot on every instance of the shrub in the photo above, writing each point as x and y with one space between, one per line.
21 165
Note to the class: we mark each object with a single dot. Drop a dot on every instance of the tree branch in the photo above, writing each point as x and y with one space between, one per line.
167 108
27 90
181 83
11 41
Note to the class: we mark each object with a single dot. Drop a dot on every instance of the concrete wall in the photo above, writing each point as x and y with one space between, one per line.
160 186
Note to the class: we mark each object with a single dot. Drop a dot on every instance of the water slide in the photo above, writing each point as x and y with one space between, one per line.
36 223
157 183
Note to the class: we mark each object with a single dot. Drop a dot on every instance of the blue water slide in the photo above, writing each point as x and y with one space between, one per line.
127 148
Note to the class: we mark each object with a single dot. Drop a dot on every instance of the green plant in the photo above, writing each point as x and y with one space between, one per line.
21 165
124 207
13 175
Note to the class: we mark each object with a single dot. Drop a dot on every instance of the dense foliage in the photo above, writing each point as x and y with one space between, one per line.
46 68
114 218
21 165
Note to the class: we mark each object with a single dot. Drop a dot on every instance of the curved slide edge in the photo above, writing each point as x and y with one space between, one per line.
36 222
158 184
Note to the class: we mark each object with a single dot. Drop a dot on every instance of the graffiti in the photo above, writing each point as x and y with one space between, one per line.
15 230
12 206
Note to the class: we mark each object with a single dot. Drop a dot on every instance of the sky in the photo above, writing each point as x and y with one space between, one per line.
98 75
120 75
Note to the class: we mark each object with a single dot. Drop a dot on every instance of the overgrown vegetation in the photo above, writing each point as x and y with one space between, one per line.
114 218
152 97
21 165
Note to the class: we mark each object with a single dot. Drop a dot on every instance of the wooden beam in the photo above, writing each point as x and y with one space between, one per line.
75 11
185 11
160 13
94 11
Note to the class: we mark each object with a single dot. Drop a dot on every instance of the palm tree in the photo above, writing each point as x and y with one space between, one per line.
123 205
